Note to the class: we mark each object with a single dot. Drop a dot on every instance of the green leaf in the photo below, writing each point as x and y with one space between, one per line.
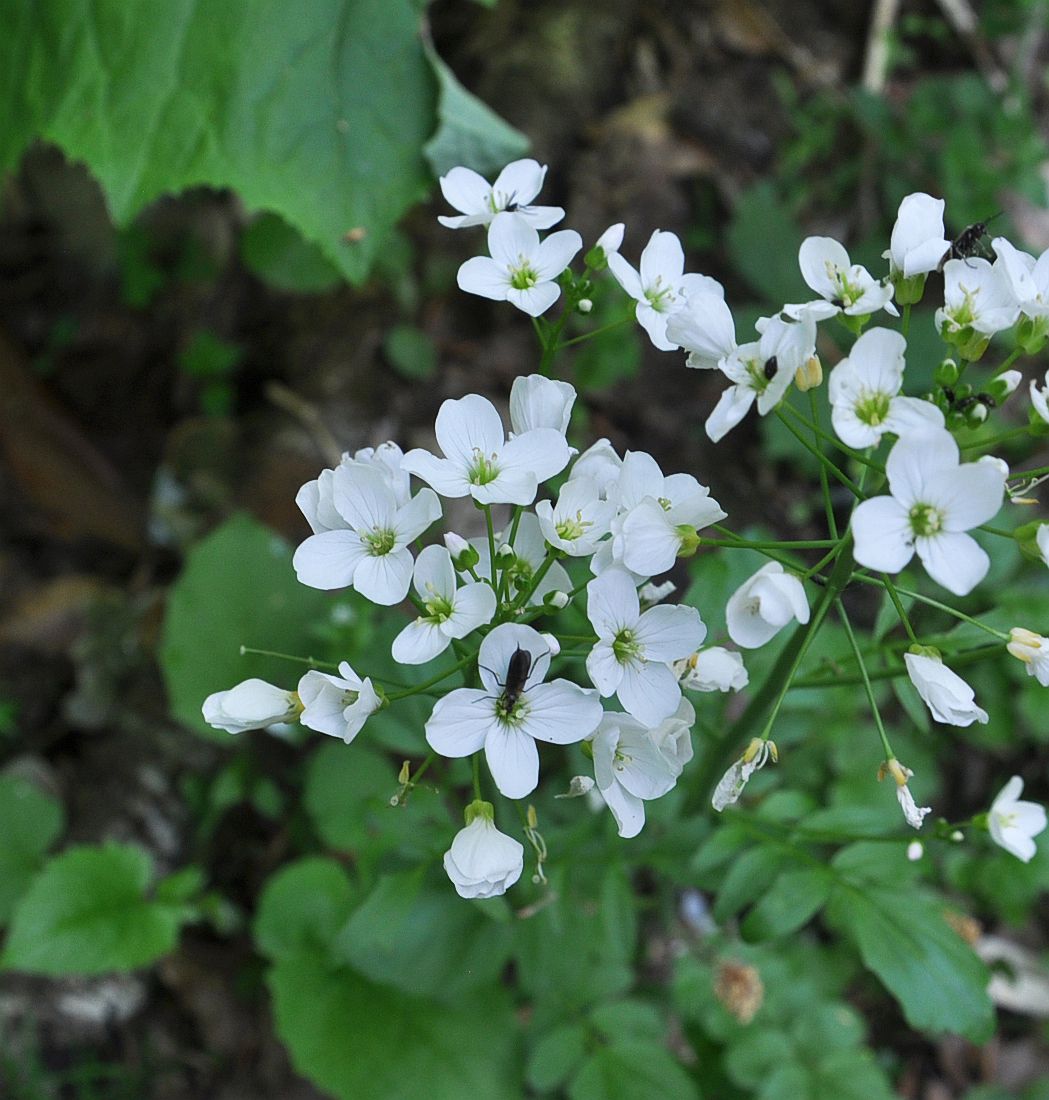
87 913
763 242
302 907
279 255
236 588
755 1055
318 112
555 1056
468 132
354 1039
410 351
632 1070
792 900
749 876
903 937
30 822
628 1019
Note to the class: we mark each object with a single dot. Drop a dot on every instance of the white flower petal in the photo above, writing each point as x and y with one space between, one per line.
329 560
513 761
384 578
466 426
460 722
419 642
954 560
484 277
561 713
649 691
882 534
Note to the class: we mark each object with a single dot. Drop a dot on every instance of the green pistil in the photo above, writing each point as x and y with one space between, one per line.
524 276
510 715
659 297
625 646
925 520
759 381
484 469
438 608
873 408
379 542
665 503
572 528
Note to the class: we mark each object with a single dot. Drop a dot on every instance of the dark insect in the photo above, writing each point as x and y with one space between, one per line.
512 205
839 302
967 244
771 367
516 674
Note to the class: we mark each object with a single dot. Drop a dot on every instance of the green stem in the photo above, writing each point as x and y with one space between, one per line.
889 754
965 657
856 456
477 776
905 324
311 661
997 531
994 441
597 332
747 544
819 455
930 602
828 505
894 596
497 574
419 688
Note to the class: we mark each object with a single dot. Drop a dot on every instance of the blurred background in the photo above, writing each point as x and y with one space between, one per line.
173 368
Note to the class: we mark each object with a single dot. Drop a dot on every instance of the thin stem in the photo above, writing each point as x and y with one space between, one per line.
905 324
311 661
930 602
889 754
828 505
997 531
597 332
857 456
821 563
894 596
1008 362
820 456
965 657
995 440
477 776
747 544
1023 475
497 574
420 688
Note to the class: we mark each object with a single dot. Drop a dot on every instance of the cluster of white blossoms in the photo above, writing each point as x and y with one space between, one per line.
595 529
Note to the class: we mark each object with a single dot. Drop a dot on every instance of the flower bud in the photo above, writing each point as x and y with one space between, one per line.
908 290
976 414
946 373
556 599
504 551
810 374
464 556
584 305
1033 650
915 851
552 644
1001 387
1031 334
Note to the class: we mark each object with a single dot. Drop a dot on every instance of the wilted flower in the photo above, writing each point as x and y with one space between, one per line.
713 669
913 813
1033 650
731 785
740 989
759 609
252 704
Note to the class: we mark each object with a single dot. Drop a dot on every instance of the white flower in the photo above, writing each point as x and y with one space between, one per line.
483 862
975 296
661 286
762 371
507 718
538 402
1042 541
480 462
1013 824
864 391
704 328
946 694
630 767
731 784
713 669
845 286
650 593
252 704
337 705
1040 398
913 814
520 562
612 239
579 520
600 463
451 612
658 515
763 605
934 501
1033 650
1026 278
522 269
371 554
514 188
633 647
917 244
316 498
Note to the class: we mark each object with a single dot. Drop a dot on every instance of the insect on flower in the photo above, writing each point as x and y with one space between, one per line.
517 670
967 243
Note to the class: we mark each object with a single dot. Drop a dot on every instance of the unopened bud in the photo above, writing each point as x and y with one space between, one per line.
584 305
552 644
947 373
999 388
504 551
556 599
976 414
915 851
464 556
810 374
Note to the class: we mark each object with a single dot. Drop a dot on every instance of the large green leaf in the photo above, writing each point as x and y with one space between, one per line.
632 1069
316 111
87 912
237 588
30 822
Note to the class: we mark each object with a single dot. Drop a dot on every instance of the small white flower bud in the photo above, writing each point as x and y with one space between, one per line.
915 851
557 599
504 551
552 644
584 305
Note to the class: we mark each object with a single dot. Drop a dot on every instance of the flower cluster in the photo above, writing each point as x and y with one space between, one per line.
586 534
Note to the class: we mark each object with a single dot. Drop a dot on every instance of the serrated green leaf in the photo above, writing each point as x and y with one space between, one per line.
318 112
87 912
469 133
792 900
277 253
302 907
355 1039
236 588
30 822
632 1070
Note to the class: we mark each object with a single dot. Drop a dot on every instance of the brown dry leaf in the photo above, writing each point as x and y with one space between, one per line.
51 616
56 467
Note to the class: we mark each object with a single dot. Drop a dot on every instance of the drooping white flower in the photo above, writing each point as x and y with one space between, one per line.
538 402
864 392
253 704
483 862
762 371
763 605
713 669
661 286
704 328
480 462
633 648
507 718
949 698
730 786
521 269
520 563
913 814
843 285
1033 650
337 705
451 611
1014 824
917 244
976 297
934 501
1026 278
371 553
514 188
630 768
1040 398
579 520
657 516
